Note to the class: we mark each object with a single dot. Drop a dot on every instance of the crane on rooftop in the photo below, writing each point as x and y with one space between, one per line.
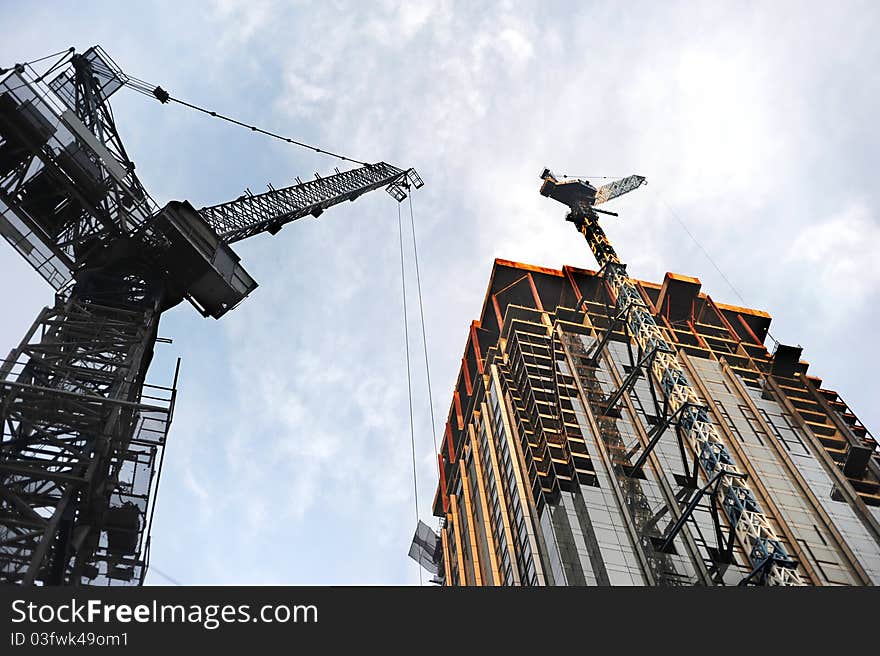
81 432
726 485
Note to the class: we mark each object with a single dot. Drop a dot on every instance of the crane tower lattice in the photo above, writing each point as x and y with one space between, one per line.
81 432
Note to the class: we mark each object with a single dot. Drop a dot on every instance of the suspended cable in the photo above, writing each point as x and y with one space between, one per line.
163 96
37 78
270 134
412 431
709 257
65 52
57 64
434 426
158 93
158 571
422 320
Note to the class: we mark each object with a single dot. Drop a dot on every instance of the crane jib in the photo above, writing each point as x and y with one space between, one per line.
252 214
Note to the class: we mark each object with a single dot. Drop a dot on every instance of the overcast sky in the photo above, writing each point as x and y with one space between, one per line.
289 457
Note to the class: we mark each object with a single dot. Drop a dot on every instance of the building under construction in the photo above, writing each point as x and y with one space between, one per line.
603 430
569 455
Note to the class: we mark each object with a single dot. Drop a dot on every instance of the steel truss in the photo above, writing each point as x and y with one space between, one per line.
82 440
66 183
81 434
251 214
739 503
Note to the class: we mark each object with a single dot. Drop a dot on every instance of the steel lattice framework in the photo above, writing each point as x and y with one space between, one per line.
769 558
268 212
81 441
618 188
81 433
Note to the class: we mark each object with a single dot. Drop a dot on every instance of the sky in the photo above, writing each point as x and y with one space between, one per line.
289 460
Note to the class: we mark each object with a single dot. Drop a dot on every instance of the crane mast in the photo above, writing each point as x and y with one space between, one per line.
82 434
770 561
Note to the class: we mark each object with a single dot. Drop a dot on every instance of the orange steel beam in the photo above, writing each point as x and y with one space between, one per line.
733 334
535 295
443 495
749 330
467 377
475 341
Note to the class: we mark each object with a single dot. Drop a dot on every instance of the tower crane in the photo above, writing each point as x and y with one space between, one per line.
770 561
81 432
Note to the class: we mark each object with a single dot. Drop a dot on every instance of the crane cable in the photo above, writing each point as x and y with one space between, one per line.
424 347
158 93
709 257
20 68
434 426
165 576
422 321
65 53
412 430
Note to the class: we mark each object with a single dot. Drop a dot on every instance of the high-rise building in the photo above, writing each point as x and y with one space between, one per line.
562 462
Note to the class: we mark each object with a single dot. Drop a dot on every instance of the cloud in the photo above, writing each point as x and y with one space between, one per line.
479 102
306 101
242 22
197 488
842 254
291 441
